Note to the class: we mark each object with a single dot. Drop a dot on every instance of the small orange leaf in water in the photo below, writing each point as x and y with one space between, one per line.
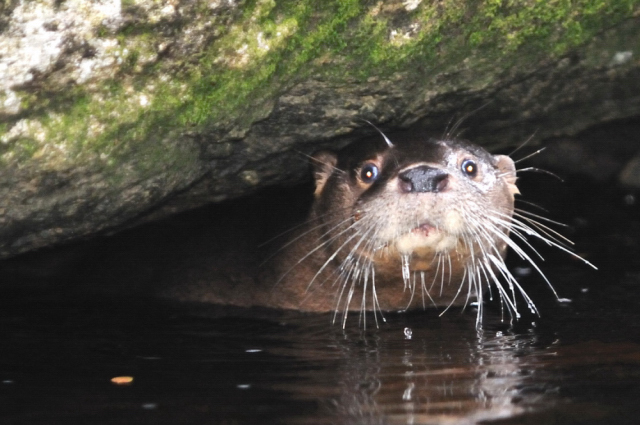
122 380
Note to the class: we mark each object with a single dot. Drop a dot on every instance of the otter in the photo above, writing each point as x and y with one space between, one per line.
396 225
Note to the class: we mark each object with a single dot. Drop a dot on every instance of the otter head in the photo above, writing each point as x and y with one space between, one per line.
439 207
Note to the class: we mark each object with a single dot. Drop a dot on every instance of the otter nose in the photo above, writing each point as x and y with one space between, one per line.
423 179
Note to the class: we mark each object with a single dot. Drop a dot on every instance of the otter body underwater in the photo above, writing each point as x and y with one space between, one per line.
397 225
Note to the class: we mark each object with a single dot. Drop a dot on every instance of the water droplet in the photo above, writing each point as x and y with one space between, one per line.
253 350
243 386
408 333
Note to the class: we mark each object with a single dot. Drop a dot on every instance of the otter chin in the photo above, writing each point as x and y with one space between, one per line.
401 224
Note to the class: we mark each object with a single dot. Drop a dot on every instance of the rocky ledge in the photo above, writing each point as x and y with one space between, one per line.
117 112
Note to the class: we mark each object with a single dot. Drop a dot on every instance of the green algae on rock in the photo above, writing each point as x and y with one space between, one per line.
150 98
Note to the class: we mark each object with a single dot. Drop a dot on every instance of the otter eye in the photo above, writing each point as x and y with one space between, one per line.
469 168
369 172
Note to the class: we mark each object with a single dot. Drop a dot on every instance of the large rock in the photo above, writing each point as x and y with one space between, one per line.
114 113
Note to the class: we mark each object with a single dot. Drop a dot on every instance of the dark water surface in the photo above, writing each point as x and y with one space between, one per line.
578 363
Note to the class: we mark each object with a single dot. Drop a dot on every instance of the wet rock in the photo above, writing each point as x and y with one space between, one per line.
114 113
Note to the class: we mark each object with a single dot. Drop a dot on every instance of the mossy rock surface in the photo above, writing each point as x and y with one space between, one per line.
114 112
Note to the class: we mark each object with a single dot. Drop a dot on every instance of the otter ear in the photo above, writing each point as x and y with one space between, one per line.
507 169
324 162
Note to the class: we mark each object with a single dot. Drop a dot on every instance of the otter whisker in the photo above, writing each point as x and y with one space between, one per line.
548 240
530 155
502 267
468 270
330 258
442 277
516 232
345 277
522 145
412 289
543 229
486 278
375 297
314 250
312 158
448 133
346 274
363 305
303 224
499 264
363 268
533 204
404 258
520 212
540 170
512 309
481 267
546 230
424 289
348 301
480 264
353 273
471 284
435 276
300 236
457 293
479 304
372 247
526 257
386 139
502 295
515 227
349 260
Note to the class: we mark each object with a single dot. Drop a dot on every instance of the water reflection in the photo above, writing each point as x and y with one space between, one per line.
191 365
445 372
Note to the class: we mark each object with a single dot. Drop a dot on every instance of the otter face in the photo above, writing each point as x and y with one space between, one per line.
435 204
434 208
416 217
420 200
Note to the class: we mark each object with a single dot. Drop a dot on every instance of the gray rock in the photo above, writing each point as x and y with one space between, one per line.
113 114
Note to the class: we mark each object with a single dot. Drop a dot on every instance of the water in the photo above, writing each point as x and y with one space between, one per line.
199 365
576 363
